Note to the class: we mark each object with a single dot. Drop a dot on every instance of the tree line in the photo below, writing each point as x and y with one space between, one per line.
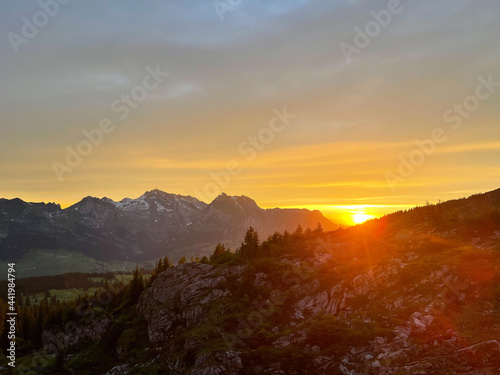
50 313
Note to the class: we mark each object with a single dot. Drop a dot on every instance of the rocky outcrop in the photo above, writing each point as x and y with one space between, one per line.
184 298
55 341
180 297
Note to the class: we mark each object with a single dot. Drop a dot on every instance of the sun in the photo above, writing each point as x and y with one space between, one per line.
361 217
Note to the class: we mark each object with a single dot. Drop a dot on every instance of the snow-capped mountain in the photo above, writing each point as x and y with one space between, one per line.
153 225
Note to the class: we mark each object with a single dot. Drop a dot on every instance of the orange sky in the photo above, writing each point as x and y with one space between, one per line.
350 125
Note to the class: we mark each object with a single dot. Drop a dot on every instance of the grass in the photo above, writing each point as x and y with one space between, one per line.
67 295
63 295
128 278
124 278
471 321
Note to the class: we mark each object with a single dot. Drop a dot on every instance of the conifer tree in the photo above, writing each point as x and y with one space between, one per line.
298 232
167 263
219 251
250 246
319 229
136 286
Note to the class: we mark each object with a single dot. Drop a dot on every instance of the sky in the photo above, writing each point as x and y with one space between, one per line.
347 106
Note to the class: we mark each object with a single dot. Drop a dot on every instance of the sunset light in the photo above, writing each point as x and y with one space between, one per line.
250 187
361 217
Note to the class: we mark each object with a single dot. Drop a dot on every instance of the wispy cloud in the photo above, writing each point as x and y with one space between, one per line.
355 119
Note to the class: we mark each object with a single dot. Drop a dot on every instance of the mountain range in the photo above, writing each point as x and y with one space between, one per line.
136 230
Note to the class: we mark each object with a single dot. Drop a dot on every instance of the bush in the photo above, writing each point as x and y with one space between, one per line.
327 331
270 266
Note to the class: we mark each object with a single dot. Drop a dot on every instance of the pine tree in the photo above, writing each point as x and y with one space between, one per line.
159 266
167 263
319 229
3 331
40 323
298 232
136 286
250 246
219 251
28 323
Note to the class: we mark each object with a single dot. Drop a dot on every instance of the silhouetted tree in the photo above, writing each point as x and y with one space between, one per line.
136 286
319 229
299 232
250 246
219 251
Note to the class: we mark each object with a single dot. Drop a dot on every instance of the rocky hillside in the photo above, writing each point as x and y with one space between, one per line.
145 228
416 292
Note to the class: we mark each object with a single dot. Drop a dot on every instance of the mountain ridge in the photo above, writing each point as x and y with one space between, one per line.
141 229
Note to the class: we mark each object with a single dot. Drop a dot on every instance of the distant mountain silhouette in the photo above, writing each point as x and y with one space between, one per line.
153 225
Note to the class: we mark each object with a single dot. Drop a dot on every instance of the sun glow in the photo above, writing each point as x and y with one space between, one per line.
347 215
361 217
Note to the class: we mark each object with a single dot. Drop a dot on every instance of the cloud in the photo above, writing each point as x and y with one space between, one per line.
354 120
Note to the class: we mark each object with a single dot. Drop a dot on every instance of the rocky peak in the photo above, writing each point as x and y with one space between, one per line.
234 205
13 207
